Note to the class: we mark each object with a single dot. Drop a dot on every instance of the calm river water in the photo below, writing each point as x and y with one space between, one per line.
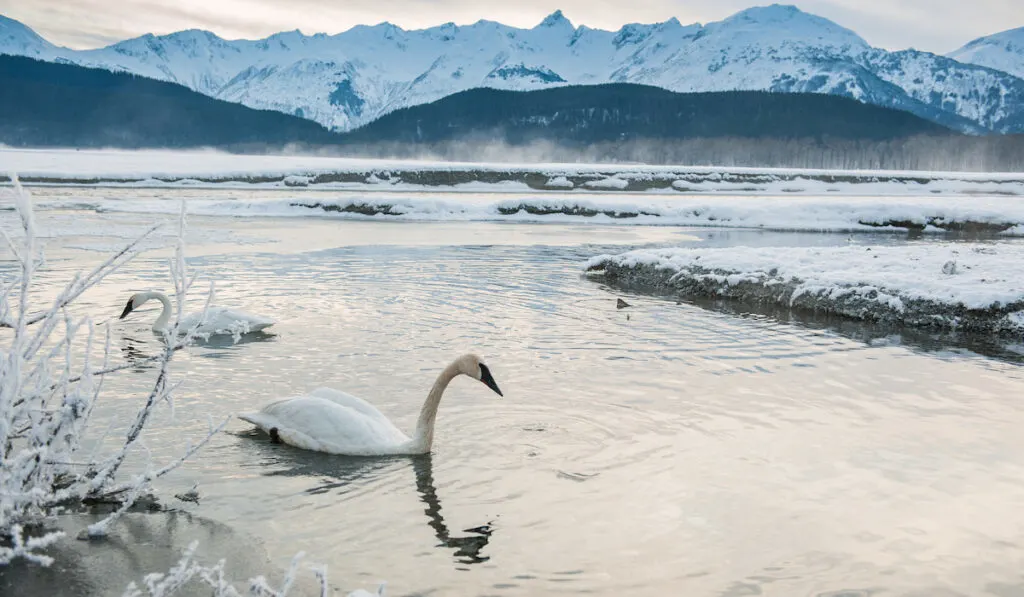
677 451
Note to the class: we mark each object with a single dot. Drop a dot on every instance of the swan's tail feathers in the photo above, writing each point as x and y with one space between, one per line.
260 420
250 418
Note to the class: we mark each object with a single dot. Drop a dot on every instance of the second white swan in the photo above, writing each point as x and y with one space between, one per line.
330 421
217 320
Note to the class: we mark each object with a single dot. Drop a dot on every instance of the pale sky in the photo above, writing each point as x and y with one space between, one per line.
934 25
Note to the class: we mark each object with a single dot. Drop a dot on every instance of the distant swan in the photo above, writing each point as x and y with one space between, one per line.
218 320
338 423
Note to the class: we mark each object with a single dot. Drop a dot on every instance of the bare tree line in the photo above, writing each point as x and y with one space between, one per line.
924 152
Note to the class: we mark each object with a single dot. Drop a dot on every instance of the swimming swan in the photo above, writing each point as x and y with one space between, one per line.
218 320
330 421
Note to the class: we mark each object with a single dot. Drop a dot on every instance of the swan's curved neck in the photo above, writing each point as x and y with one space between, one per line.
424 437
165 315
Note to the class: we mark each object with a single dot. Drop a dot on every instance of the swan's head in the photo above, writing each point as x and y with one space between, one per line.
473 366
134 302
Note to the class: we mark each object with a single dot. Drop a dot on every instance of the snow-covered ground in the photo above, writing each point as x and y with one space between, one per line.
210 169
930 214
973 287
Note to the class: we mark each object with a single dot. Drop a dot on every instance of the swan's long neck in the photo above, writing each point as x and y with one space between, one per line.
424 437
165 315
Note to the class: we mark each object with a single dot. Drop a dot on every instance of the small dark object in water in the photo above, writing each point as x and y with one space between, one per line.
189 496
621 304
274 437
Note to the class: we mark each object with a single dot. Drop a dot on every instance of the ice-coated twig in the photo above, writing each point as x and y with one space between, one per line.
73 289
28 550
215 578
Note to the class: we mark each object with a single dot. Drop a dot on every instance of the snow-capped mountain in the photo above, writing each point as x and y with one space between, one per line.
349 79
1002 51
17 39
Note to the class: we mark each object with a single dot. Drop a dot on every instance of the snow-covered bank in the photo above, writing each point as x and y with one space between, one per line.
970 287
1002 215
214 169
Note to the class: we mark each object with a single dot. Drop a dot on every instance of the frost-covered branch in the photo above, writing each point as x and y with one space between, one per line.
27 259
188 569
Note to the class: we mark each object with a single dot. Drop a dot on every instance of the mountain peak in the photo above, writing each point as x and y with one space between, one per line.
556 19
786 23
18 38
1002 51
770 13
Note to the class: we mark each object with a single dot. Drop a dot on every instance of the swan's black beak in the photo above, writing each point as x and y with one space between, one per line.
127 310
488 379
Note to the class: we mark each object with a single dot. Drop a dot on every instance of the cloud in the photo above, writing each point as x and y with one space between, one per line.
934 25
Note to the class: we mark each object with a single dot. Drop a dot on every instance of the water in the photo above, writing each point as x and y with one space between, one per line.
679 450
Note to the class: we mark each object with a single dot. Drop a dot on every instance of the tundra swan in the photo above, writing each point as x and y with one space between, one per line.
217 320
331 421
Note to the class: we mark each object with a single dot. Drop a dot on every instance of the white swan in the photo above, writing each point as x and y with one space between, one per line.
330 421
218 320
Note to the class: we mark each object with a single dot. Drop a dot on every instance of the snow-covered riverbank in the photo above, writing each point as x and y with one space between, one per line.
971 287
987 215
215 169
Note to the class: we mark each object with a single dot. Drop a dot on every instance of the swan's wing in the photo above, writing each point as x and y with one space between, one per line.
354 402
226 321
315 423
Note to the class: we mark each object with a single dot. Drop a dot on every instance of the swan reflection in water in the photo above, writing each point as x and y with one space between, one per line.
340 473
142 354
467 548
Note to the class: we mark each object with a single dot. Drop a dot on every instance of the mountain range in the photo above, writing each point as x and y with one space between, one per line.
44 104
347 80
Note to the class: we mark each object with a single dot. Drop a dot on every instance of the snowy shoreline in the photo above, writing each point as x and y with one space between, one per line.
970 287
199 169
983 216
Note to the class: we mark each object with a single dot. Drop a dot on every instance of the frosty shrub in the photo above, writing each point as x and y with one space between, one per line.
52 367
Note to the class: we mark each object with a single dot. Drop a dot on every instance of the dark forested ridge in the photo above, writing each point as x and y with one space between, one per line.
45 104
584 115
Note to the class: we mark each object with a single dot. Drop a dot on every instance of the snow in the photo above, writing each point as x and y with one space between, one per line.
905 282
608 183
1002 51
187 167
776 199
848 214
349 79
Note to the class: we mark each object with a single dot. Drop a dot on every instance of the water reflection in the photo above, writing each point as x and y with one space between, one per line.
224 344
341 475
871 333
140 353
139 544
135 353
468 547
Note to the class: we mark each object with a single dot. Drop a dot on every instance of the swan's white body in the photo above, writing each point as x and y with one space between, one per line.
335 422
216 320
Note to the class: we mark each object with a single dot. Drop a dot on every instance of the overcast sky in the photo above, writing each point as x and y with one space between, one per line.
935 25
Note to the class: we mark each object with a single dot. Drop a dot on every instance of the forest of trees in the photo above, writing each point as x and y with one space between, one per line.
583 115
47 104
994 153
